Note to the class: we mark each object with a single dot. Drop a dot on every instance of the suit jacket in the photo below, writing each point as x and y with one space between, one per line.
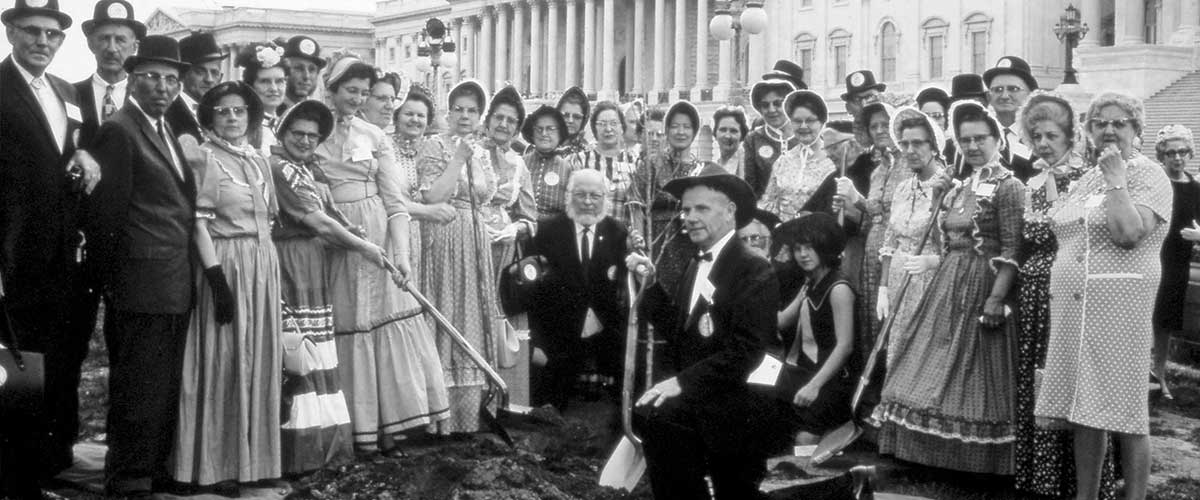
566 291
89 104
858 172
142 237
39 206
183 121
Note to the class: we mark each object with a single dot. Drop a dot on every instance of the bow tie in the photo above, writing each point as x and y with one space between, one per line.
708 256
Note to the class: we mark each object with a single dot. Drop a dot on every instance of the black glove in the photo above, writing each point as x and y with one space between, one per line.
221 294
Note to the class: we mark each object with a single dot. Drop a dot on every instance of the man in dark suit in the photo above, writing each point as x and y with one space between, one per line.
43 181
203 57
112 36
141 224
576 318
1009 84
719 324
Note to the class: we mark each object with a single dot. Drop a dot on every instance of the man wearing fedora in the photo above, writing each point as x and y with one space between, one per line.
199 51
763 145
112 36
1009 84
302 58
142 239
719 322
861 90
44 179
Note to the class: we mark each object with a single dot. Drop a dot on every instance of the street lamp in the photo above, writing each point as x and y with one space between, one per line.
435 50
723 26
1070 30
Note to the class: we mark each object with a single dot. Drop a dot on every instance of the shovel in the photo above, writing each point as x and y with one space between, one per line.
833 442
497 389
627 463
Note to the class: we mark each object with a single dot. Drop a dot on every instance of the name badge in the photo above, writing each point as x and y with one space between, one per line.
361 154
73 112
985 190
767 372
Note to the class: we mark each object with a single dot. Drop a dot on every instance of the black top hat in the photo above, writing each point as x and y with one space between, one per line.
808 99
308 107
114 12
967 86
719 179
1011 65
766 218
861 81
814 224
934 94
206 114
508 95
304 47
159 49
544 110
199 47
36 8
787 70
687 108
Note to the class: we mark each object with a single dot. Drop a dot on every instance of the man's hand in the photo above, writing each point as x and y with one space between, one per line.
661 392
640 264
85 167
806 395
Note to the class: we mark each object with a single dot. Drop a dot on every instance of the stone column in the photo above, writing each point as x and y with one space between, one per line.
571 46
701 50
1130 20
681 44
660 51
456 30
484 57
1090 12
724 71
1189 23
502 54
639 60
553 70
608 70
518 44
467 49
535 48
589 46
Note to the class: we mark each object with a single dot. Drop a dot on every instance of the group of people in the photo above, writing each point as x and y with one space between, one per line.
254 241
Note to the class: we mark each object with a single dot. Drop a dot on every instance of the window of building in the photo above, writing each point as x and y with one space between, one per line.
1153 14
805 4
978 52
839 52
888 41
392 54
802 51
934 32
936 44
977 31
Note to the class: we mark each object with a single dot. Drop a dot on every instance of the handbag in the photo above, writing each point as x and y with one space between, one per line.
300 356
517 281
22 373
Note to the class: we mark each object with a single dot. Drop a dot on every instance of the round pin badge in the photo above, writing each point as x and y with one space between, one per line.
612 273
857 79
1004 62
766 152
529 272
37 4
117 11
551 178
308 47
705 326
3 376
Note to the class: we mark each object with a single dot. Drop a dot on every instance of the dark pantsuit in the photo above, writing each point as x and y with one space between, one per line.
144 352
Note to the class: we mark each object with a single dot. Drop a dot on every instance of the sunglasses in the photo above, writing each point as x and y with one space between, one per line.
1118 124
51 34
238 111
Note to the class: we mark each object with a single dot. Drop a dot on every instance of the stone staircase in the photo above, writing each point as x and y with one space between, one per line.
1178 103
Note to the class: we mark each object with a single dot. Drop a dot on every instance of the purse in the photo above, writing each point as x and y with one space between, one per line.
517 281
22 373
300 356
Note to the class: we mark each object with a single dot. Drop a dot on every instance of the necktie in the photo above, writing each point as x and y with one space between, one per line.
585 250
38 84
110 107
162 134
708 256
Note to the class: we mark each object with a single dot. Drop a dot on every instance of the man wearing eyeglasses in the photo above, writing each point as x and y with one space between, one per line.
199 51
44 179
1008 85
141 225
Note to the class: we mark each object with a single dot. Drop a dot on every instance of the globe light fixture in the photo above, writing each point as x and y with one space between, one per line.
754 18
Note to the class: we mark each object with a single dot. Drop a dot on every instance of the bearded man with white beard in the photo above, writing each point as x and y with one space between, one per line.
576 320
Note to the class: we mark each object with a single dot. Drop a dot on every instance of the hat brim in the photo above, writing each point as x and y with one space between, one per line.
687 108
18 12
807 99
324 123
132 62
878 86
759 90
315 60
139 29
991 74
733 186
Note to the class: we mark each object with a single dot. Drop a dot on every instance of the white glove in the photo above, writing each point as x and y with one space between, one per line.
1191 233
917 264
882 306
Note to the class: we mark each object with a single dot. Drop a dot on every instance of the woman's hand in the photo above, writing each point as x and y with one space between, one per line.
883 305
660 393
373 253
441 213
917 264
463 151
1112 165
806 395
403 270
993 312
1191 233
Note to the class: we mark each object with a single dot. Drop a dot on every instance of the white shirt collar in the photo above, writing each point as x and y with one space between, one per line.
192 105
720 244
100 82
27 75
153 121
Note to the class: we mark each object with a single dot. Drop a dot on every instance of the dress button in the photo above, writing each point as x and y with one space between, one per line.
1077 296
1081 221
1079 258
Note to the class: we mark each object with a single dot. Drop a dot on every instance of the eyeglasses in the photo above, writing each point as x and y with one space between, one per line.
505 119
754 239
462 110
1001 89
655 133
611 124
545 130
905 145
385 99
807 122
300 136
573 116
582 196
1182 153
158 78
936 115
52 34
238 111
974 140
1119 123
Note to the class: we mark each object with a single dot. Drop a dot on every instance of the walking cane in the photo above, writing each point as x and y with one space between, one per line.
838 439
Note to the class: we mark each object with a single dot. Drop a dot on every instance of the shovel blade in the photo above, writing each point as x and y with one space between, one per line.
833 442
625 467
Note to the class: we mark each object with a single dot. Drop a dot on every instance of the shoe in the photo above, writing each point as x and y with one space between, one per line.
228 489
864 482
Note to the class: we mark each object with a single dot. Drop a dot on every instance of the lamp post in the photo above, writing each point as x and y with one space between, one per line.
750 17
435 50
1070 30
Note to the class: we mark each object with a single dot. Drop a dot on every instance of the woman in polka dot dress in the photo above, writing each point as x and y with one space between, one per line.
1109 228
1044 463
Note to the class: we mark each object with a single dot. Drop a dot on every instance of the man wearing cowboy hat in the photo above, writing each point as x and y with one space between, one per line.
302 58
44 179
142 238
1009 84
199 51
719 322
112 36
